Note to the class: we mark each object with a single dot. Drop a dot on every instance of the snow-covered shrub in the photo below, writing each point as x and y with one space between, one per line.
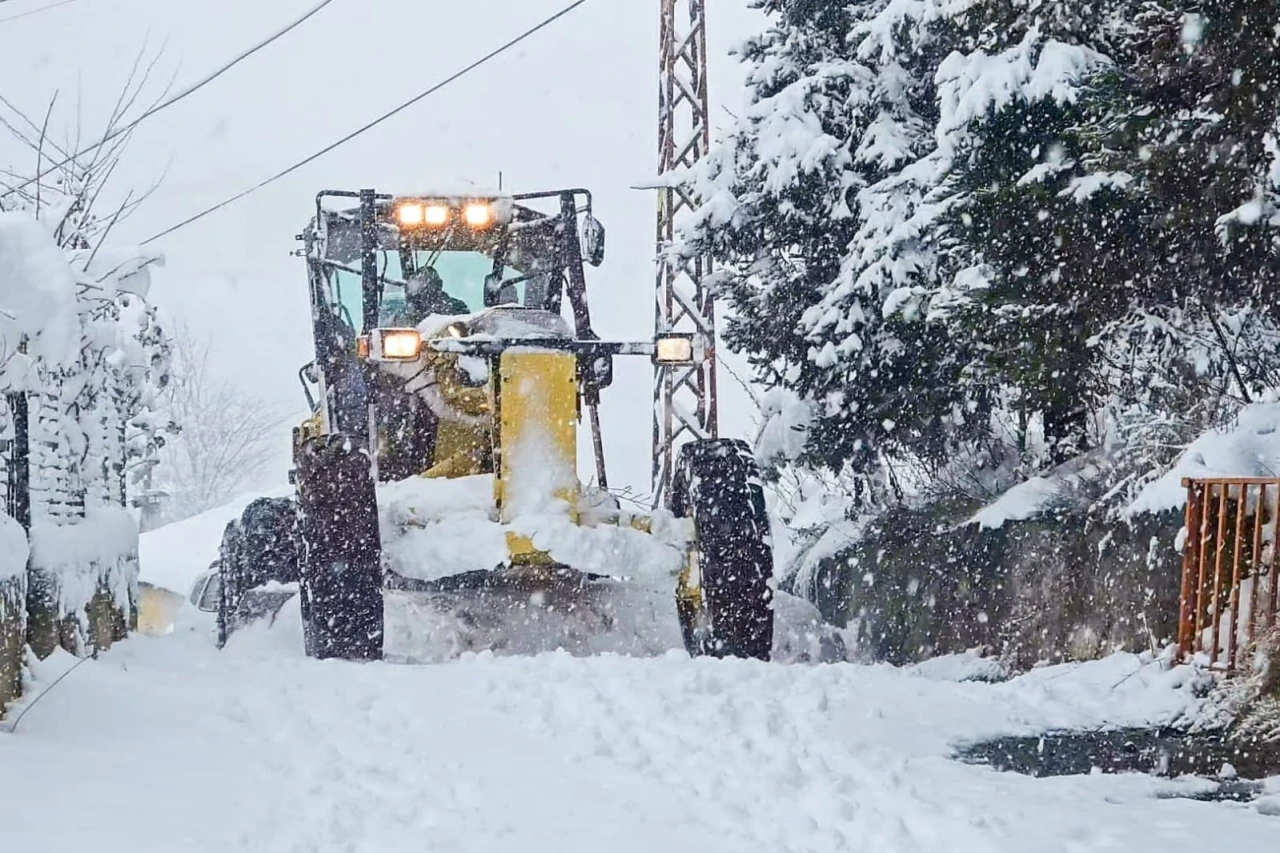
79 341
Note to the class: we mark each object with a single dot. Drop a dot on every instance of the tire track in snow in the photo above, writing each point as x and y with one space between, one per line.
398 758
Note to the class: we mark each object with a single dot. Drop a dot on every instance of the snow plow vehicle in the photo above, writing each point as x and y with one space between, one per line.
455 362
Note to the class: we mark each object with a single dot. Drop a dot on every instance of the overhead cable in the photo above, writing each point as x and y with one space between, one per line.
31 12
168 102
379 120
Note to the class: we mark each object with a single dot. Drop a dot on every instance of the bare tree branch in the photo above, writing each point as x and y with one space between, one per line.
228 435
44 132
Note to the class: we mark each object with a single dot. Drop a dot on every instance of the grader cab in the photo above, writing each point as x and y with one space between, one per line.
453 345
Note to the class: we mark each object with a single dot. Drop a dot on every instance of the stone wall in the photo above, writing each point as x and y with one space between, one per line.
12 638
78 624
83 612
1059 587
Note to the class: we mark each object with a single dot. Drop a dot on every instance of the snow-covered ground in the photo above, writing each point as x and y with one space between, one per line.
167 744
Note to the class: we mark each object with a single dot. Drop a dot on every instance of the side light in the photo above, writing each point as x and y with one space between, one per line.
411 214
362 347
478 215
399 344
673 349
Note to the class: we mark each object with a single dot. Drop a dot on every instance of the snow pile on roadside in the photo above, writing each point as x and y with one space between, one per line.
967 666
1121 690
13 548
1248 448
1065 485
99 550
173 556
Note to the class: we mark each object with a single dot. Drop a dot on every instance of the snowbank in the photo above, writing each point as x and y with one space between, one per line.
96 553
1248 448
174 555
1063 486
13 548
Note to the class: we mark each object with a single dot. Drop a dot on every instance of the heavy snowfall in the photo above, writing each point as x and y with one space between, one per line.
998 364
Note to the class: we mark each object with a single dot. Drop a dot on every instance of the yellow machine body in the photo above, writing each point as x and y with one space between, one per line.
521 426
536 396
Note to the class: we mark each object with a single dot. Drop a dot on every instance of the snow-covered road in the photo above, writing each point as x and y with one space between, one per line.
259 749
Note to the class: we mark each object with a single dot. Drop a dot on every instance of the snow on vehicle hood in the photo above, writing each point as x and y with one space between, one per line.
503 321
432 529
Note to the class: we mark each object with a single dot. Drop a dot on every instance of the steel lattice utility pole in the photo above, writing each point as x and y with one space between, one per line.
684 398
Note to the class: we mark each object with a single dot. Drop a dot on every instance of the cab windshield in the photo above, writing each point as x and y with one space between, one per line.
461 275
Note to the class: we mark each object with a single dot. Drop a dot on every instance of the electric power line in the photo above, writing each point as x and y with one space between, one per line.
31 12
173 100
379 120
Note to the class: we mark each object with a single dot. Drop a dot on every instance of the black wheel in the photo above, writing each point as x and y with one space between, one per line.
269 541
724 600
341 553
258 547
228 580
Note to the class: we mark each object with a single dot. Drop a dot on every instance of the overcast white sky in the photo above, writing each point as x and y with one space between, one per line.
574 106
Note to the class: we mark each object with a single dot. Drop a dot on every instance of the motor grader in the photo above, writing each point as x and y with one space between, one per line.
453 340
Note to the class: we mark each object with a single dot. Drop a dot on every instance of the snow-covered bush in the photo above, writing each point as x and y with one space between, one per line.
81 346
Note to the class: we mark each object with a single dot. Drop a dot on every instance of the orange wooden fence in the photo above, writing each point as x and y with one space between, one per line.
1229 568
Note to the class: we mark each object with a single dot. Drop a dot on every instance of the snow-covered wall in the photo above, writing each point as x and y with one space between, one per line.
1062 585
1046 571
84 581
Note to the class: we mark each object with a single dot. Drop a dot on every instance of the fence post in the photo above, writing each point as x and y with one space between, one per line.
1190 600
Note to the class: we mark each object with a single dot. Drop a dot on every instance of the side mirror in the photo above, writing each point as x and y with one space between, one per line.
593 240
206 591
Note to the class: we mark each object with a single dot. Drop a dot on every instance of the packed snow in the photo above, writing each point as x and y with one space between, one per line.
257 748
37 299
173 556
13 548
1249 447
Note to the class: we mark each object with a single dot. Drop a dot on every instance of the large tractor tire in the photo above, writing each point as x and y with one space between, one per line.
725 601
258 547
341 555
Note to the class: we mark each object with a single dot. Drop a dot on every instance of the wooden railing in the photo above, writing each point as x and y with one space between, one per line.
1229 567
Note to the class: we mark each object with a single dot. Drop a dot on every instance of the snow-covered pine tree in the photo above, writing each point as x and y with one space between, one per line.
1204 129
1196 125
1039 230
1121 228
815 206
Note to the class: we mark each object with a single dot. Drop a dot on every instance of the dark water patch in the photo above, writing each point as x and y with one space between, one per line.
1235 764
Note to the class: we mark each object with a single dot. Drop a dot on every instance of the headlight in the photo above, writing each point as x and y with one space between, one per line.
436 214
477 215
411 213
416 214
399 344
673 349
